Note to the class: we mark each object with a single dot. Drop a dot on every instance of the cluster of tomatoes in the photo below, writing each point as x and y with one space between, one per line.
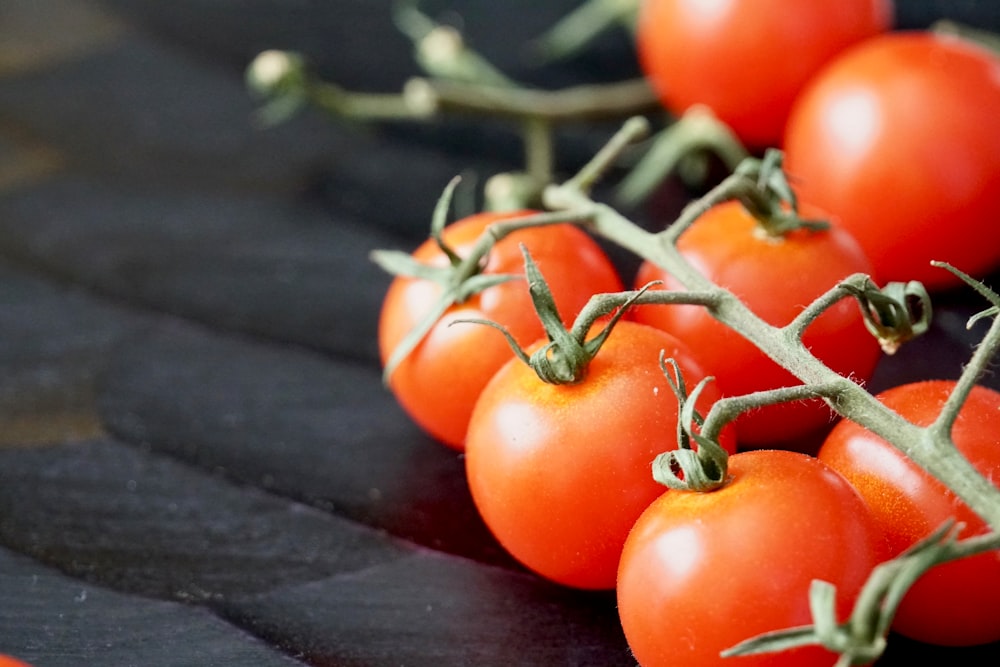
894 137
892 133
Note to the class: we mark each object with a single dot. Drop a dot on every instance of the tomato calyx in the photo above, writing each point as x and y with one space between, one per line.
564 359
862 638
702 468
460 279
463 277
894 314
773 203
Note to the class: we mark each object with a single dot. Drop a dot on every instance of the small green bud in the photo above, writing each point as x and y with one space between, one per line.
273 73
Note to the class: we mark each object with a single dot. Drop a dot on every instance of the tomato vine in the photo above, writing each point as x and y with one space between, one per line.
930 448
459 80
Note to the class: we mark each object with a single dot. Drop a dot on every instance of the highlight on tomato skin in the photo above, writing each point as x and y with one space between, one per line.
747 61
954 604
438 382
559 473
776 278
897 139
702 572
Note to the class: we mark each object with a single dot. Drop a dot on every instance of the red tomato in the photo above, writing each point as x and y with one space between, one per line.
438 382
560 473
747 60
701 572
776 278
8 661
956 603
898 139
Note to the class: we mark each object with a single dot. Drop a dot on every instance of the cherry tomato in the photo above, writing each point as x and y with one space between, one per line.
560 473
701 572
747 60
8 661
898 139
955 603
438 382
776 278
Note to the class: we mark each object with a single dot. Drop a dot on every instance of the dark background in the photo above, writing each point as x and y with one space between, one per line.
198 462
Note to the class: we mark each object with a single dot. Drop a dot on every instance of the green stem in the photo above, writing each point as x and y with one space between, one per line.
423 99
973 371
984 38
734 186
861 640
937 456
697 130
538 149
579 27
600 305
797 327
726 410
591 102
343 103
441 50
631 131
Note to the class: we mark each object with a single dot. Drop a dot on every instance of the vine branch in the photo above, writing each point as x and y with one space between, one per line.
930 451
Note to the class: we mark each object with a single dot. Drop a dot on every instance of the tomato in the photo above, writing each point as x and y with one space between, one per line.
776 278
747 61
956 603
560 473
898 139
8 661
701 572
438 382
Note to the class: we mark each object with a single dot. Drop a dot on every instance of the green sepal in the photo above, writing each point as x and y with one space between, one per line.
889 313
703 468
459 281
400 263
417 334
439 220
564 359
773 202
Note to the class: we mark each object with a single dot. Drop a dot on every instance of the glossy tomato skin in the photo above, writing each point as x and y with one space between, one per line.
776 278
438 383
747 60
898 140
559 473
701 572
955 604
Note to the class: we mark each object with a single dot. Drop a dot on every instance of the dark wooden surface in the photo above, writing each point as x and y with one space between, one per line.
198 463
